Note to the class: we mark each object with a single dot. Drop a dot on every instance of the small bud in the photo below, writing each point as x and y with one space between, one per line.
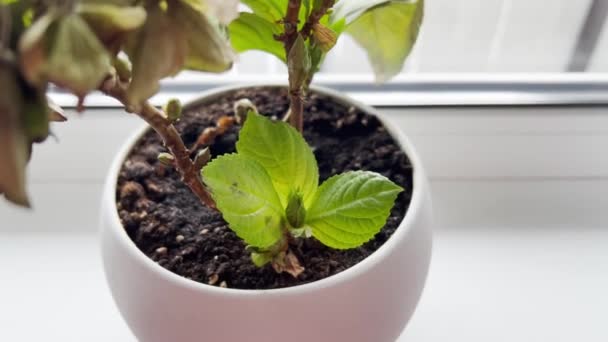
295 211
299 64
123 69
324 37
173 108
242 107
166 159
202 158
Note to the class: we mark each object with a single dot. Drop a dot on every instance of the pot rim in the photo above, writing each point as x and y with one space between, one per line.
361 267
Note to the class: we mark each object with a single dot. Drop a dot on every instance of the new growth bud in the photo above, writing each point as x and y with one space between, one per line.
202 158
295 211
173 108
166 159
241 108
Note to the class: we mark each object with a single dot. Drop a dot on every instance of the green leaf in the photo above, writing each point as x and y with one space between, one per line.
63 50
351 208
271 10
14 147
388 33
284 153
253 32
244 193
350 10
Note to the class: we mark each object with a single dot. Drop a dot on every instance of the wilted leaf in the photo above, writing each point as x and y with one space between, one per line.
35 114
157 50
178 37
207 47
223 10
388 33
14 148
56 113
111 23
253 32
63 50
324 37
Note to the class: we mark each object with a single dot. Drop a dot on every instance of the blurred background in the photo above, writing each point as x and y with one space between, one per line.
507 103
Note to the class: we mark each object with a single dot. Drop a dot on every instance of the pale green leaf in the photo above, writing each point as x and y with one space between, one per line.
351 208
253 32
284 153
271 10
349 10
388 33
244 193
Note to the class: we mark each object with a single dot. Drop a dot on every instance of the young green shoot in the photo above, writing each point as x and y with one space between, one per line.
269 193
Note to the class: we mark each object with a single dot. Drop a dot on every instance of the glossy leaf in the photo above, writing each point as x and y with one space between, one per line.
283 153
244 193
388 33
351 208
253 32
271 10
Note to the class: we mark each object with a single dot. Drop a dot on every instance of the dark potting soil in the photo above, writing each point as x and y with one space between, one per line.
170 225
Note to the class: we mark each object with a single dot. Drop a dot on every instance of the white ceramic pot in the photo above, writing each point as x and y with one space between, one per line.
369 302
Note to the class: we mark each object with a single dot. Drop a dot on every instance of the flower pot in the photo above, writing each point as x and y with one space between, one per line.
369 302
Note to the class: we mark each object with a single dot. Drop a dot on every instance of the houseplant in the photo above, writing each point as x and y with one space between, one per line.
157 304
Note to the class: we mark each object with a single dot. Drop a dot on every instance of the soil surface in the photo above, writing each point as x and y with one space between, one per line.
170 225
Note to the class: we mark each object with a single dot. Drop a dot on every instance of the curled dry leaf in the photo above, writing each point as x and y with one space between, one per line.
287 262
179 37
324 37
224 10
63 50
14 147
56 113
111 23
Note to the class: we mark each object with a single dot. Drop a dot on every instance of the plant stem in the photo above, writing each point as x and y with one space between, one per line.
290 23
173 141
296 109
315 16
